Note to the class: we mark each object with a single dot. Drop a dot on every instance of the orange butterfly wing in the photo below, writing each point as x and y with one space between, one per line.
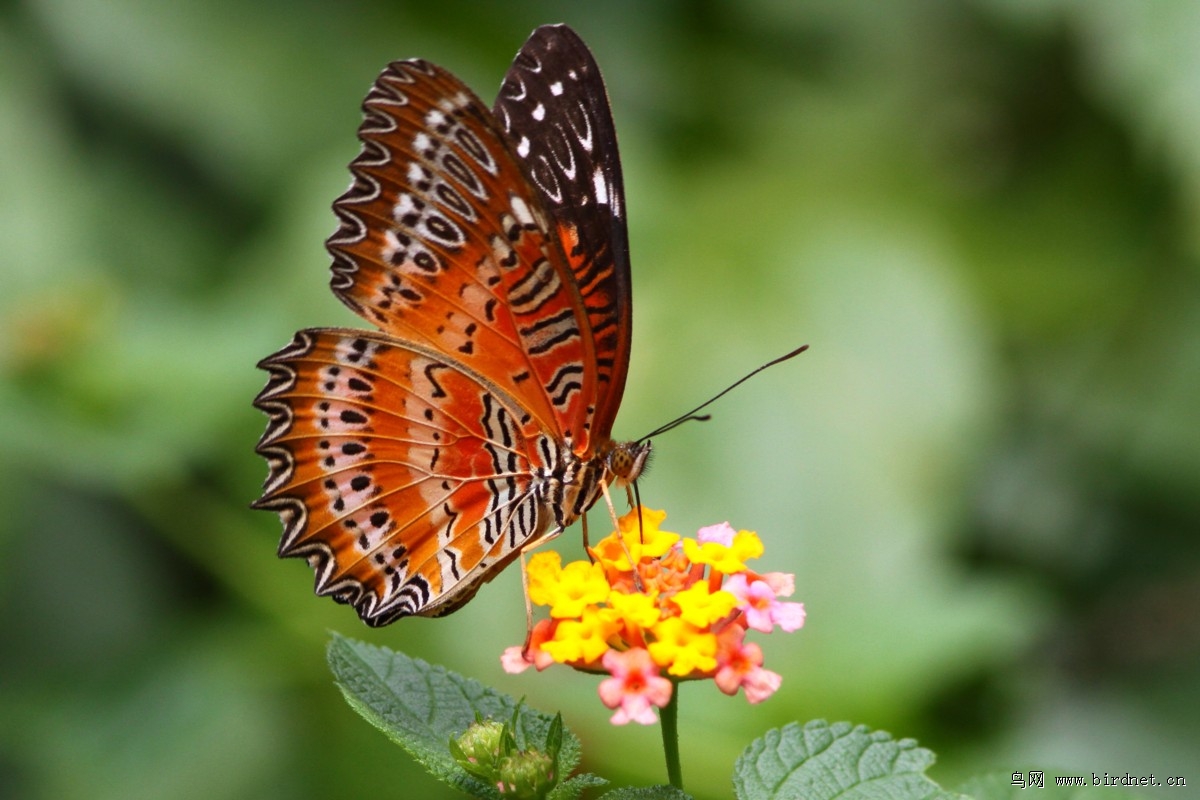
410 466
443 241
400 476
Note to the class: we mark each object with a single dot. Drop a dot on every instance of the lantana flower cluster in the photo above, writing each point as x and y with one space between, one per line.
652 602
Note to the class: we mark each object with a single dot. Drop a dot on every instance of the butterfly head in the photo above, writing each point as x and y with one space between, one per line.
625 461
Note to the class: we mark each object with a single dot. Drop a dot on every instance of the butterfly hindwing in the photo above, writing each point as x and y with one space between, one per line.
402 478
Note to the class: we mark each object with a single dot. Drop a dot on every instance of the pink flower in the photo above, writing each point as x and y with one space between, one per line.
782 583
758 600
739 666
721 533
634 688
513 660
759 684
517 659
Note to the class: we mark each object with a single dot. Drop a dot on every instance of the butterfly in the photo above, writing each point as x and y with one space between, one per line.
410 464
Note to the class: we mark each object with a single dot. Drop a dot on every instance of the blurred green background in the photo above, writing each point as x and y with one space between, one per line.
985 473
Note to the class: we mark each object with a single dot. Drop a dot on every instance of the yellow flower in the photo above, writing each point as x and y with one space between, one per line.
581 585
585 639
641 540
702 608
644 529
728 559
567 590
543 573
682 648
635 610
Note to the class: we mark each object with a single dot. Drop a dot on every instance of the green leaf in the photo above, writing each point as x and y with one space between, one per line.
421 707
662 792
572 787
999 786
819 760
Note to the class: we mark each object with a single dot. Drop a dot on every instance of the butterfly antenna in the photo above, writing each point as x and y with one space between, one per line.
692 415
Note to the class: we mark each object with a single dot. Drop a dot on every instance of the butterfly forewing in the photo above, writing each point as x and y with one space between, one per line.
444 241
554 107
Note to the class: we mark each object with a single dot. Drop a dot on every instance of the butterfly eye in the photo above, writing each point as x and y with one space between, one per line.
626 461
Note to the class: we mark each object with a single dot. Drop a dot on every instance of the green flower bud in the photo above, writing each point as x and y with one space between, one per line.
527 775
479 749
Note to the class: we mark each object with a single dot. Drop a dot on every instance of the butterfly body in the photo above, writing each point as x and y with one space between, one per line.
409 465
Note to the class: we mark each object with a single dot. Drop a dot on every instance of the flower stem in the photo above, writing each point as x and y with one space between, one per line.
669 716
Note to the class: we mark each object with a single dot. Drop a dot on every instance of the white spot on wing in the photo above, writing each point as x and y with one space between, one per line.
521 211
601 186
403 207
417 173
501 250
523 147
539 112
556 88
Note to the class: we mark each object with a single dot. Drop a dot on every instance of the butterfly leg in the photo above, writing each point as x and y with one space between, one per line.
528 609
529 547
612 511
637 580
